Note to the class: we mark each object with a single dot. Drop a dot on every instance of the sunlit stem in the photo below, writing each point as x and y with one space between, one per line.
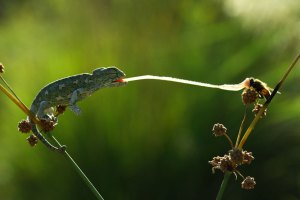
259 114
241 128
11 90
19 103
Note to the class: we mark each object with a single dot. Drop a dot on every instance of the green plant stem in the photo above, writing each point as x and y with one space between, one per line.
223 185
79 171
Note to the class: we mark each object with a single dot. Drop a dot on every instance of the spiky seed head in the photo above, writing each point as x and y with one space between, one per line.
222 163
257 108
47 125
32 140
24 126
248 183
219 129
249 96
236 156
60 109
227 165
248 157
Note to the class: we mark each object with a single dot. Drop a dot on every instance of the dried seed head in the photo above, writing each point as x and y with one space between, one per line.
257 108
248 158
32 140
222 163
1 68
249 96
215 162
248 183
60 109
24 126
47 125
236 156
219 129
227 165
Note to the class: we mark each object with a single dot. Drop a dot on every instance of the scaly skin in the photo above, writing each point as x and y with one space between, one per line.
68 91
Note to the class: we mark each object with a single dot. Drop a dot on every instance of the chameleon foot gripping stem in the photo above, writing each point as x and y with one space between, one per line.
36 132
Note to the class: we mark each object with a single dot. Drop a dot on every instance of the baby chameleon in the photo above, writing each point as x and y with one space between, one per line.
68 91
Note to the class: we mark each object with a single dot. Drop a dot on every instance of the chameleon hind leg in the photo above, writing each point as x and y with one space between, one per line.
42 107
41 114
45 141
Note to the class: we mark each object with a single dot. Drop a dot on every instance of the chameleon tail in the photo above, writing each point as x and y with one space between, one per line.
45 141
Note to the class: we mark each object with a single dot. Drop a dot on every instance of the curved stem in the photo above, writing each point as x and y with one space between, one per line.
229 140
223 185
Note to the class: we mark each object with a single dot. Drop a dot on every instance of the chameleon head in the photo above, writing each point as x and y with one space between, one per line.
109 77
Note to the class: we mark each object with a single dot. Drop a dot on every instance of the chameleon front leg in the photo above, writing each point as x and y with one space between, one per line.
37 133
73 101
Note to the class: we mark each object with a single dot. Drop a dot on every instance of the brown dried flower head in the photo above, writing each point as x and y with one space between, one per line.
249 96
215 162
222 163
60 110
47 125
248 183
24 126
32 140
236 156
219 129
226 164
248 157
257 108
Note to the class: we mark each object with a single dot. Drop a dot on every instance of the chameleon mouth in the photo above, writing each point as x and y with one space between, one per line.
120 80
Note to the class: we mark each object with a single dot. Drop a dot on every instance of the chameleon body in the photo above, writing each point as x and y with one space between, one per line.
68 91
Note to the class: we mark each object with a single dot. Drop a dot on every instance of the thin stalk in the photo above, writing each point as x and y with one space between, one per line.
241 128
11 90
19 103
78 170
229 140
223 185
14 99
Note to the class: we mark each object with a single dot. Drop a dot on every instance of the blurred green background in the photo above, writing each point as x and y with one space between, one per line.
151 139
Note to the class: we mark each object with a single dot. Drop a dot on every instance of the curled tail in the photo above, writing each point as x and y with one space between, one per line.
38 134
